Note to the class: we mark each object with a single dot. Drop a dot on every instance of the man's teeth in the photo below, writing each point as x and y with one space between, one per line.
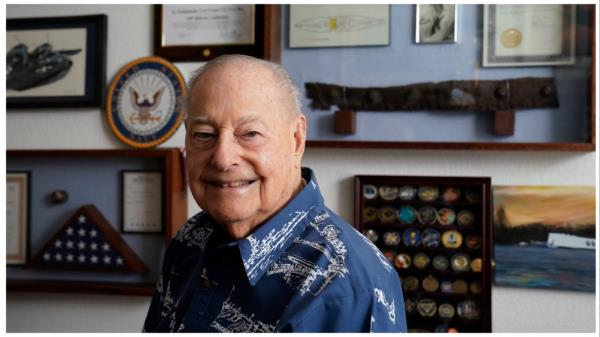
235 184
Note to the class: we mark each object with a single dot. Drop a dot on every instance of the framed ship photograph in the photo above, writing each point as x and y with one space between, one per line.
528 35
56 62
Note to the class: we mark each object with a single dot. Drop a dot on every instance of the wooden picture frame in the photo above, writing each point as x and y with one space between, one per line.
56 61
142 201
18 186
418 222
265 32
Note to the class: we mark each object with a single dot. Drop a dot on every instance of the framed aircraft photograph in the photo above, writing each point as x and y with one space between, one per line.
56 62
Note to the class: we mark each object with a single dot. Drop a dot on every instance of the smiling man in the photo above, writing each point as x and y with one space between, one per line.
265 254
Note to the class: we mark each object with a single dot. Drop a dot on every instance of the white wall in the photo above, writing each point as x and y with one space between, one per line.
129 37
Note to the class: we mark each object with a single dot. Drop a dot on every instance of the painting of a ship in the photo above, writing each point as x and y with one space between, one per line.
544 237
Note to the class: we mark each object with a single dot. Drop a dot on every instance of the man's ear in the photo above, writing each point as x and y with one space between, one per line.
299 137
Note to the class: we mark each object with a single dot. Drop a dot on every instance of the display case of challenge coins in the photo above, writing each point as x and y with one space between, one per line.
436 231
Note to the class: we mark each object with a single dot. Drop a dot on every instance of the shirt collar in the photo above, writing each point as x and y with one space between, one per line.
261 248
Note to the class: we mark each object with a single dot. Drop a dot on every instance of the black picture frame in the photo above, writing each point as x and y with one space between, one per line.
53 96
204 53
124 227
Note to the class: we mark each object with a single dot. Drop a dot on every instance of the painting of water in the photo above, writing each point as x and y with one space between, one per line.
544 237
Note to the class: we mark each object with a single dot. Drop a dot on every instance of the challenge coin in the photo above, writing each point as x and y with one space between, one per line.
427 215
475 287
410 283
465 218
468 309
410 304
473 241
460 262
451 239
430 284
391 238
370 214
428 193
446 216
473 196
460 287
371 235
446 310
440 262
402 261
411 237
476 265
387 214
431 238
426 307
446 287
450 194
421 260
390 255
369 192
388 192
407 215
407 193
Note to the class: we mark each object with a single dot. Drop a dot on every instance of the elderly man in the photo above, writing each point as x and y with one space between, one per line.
265 254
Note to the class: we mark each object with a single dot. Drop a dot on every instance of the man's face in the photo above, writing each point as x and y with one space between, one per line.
243 146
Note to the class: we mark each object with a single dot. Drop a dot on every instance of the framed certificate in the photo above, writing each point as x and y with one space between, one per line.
17 217
528 35
142 201
339 25
202 32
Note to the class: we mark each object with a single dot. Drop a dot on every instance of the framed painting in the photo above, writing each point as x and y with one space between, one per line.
544 237
56 62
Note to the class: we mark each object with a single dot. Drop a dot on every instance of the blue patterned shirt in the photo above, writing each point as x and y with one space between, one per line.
303 270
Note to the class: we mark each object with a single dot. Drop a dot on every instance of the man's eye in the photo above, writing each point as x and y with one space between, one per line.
203 135
252 134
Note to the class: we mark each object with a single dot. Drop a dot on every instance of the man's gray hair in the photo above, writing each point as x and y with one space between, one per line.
281 75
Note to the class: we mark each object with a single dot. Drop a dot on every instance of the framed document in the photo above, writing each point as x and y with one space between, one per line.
339 25
435 23
528 35
142 201
17 217
202 32
56 62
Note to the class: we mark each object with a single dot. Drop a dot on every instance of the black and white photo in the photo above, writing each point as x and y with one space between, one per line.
435 23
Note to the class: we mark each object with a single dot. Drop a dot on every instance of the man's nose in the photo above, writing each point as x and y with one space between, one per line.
225 153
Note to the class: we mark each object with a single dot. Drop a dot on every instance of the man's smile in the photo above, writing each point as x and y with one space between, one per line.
231 183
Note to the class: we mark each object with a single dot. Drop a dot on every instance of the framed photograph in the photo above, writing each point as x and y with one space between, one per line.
202 32
339 25
56 62
435 23
528 35
142 201
17 217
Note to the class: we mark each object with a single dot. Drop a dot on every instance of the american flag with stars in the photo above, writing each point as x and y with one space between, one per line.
82 244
